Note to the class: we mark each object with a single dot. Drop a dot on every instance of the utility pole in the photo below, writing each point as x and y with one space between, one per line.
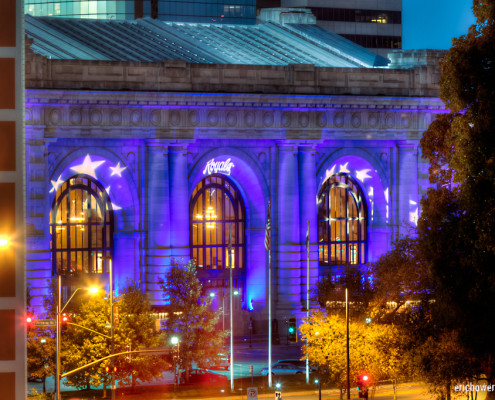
348 360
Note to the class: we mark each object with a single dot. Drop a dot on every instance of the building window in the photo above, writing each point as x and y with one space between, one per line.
81 227
217 209
342 222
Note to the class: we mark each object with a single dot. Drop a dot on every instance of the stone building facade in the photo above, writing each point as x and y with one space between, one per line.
151 162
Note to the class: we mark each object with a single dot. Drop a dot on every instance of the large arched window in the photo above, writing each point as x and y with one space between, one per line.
216 211
81 227
342 222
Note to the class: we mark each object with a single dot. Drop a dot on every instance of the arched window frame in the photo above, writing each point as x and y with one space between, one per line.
95 190
215 277
328 244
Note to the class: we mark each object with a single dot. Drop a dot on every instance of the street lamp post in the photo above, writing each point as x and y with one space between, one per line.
112 326
176 342
59 311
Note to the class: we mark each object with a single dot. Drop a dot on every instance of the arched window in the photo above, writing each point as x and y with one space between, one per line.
342 222
81 227
217 210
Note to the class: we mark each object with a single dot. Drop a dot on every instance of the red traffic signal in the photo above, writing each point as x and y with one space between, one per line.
362 385
29 321
64 320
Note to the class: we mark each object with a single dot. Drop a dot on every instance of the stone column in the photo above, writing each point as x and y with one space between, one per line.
307 212
157 218
407 190
289 260
179 203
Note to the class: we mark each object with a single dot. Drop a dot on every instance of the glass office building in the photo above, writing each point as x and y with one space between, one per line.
215 11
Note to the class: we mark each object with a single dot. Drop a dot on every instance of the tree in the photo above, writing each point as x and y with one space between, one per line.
330 291
81 346
443 362
190 317
40 354
40 346
375 349
137 330
456 230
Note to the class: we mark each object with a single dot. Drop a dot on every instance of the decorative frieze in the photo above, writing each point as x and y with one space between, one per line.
191 116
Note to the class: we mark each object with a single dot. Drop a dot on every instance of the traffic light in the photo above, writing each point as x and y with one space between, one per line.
363 384
64 320
29 322
292 330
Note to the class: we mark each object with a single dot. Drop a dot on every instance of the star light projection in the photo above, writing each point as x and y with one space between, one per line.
367 176
117 170
89 167
56 184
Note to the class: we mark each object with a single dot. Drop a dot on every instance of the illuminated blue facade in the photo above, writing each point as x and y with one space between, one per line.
152 162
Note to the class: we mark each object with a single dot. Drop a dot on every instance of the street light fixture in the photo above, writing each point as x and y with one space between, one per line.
4 242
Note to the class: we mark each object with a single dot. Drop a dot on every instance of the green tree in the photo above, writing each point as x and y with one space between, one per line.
330 291
443 362
81 346
40 344
190 317
40 354
457 225
375 349
137 330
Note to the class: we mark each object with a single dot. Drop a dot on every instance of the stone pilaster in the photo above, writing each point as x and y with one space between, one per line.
179 203
288 269
307 212
158 218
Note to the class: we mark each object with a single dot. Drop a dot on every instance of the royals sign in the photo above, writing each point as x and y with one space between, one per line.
222 167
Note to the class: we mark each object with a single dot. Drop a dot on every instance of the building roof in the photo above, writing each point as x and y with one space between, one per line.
150 40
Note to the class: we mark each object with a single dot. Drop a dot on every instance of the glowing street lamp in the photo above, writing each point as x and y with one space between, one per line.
175 341
4 242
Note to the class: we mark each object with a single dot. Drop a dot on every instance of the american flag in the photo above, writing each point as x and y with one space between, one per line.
307 237
268 229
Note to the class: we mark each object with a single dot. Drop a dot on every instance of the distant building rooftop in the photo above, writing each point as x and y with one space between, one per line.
150 40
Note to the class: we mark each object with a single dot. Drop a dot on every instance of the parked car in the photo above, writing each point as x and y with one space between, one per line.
293 363
284 369
223 361
201 376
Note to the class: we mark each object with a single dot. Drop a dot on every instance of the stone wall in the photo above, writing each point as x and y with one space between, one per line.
406 81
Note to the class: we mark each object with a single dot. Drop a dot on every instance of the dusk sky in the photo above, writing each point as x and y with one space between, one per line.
431 24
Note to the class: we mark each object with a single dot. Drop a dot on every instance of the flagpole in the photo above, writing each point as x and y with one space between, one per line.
268 248
307 301
231 316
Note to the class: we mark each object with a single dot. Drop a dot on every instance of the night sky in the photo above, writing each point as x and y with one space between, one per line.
431 24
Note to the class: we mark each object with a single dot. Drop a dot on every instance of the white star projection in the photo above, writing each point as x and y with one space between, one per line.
343 169
363 174
108 190
329 173
56 184
88 167
116 207
117 170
